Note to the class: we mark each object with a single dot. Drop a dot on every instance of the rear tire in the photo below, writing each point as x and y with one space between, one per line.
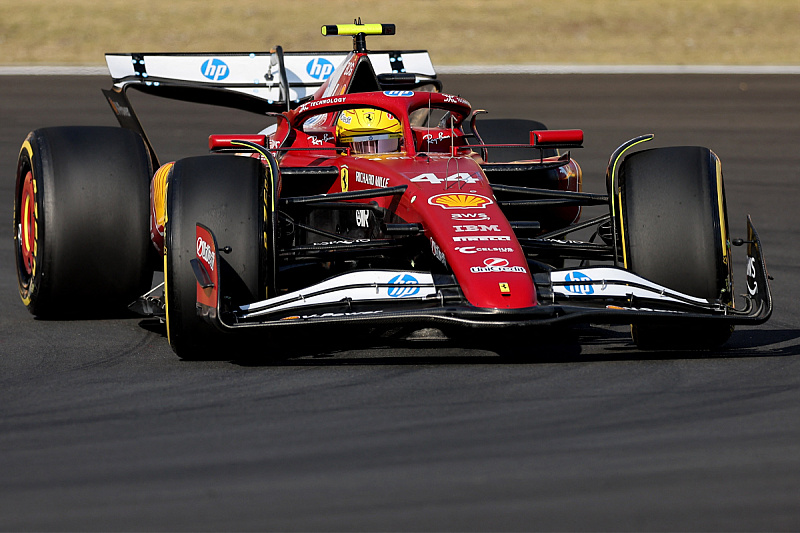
675 233
226 194
81 221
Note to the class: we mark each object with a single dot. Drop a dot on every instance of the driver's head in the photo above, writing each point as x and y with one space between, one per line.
369 131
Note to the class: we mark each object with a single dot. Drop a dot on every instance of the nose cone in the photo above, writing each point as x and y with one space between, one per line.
470 229
454 201
482 250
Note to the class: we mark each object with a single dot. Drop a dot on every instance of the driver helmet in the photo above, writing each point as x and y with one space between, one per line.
369 131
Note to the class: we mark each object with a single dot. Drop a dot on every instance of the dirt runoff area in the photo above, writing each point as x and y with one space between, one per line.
463 32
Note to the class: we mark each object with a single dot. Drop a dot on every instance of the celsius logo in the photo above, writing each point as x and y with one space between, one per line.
579 283
319 68
403 285
215 69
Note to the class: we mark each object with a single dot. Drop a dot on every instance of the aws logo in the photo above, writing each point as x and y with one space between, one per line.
215 69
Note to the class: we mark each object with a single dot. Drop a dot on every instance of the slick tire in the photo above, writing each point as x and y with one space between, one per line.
675 233
226 194
81 221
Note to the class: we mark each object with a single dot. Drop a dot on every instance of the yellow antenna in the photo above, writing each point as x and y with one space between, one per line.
359 31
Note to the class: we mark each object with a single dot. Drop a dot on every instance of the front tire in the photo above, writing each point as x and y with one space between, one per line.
226 194
81 226
675 233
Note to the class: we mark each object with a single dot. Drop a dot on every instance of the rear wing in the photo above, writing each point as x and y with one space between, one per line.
265 82
261 82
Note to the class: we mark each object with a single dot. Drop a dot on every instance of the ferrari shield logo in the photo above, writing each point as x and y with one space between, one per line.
344 175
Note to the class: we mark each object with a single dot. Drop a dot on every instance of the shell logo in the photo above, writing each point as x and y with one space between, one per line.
460 201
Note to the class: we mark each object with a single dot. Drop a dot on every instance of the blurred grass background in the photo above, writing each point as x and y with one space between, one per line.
456 32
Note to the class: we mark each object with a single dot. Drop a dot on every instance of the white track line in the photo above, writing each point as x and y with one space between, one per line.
619 69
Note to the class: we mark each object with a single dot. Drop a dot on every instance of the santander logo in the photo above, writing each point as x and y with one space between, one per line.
204 252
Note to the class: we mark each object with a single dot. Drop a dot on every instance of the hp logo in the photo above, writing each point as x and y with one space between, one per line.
581 283
403 285
319 68
215 69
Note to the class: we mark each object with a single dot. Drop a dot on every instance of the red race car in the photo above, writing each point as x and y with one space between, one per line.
374 201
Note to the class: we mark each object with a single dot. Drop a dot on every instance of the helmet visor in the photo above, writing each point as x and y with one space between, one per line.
375 144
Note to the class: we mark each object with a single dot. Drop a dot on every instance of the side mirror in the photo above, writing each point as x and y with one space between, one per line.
557 139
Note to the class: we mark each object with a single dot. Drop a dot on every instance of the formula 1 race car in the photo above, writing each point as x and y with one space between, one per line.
375 200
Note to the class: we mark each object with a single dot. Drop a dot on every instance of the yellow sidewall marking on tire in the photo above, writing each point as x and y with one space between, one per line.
269 207
166 289
721 207
619 197
622 232
166 299
26 297
723 228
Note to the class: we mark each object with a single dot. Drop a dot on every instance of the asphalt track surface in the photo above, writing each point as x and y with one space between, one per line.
102 427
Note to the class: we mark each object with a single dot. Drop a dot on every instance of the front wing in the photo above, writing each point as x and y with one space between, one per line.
389 298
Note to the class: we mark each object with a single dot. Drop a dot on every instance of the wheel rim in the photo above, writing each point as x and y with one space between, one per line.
27 226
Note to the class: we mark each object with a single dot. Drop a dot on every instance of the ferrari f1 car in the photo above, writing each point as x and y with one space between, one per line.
375 200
